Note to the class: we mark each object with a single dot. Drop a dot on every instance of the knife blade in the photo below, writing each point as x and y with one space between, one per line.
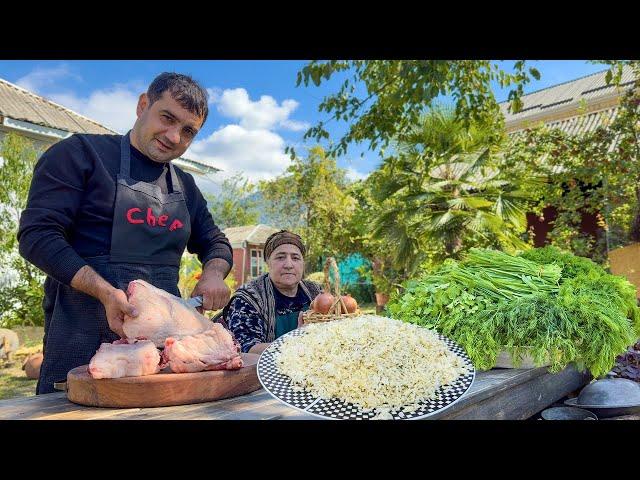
195 302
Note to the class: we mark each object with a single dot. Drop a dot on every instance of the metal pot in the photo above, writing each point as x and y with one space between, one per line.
609 397
568 413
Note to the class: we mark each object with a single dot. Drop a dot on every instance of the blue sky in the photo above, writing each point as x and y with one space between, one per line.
256 109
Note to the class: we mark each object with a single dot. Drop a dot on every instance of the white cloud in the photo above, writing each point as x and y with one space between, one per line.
294 125
264 114
214 95
354 175
250 146
113 107
258 154
41 78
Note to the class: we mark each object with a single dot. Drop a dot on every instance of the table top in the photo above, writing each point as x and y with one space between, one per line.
488 398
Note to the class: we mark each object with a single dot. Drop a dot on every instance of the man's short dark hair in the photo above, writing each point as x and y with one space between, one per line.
183 89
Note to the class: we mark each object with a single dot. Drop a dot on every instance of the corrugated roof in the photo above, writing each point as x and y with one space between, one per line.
581 124
585 123
571 93
238 234
256 234
20 104
261 233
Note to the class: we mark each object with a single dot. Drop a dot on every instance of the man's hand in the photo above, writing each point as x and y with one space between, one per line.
117 306
215 293
115 301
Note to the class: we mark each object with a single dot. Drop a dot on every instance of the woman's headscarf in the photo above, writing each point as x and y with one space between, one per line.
281 238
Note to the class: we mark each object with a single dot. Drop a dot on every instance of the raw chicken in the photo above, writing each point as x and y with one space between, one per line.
161 315
214 349
123 359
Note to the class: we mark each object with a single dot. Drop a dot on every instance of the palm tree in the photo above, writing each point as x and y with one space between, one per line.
444 188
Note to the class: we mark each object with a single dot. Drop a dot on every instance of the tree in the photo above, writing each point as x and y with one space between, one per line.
21 291
378 250
445 191
596 173
235 205
624 169
396 93
310 198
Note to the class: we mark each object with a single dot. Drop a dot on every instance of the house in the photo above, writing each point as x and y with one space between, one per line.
45 122
575 107
248 243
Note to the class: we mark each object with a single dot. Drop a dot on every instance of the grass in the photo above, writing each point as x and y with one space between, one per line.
13 381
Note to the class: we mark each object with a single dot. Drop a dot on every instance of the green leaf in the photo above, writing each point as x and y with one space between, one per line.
315 76
534 73
398 91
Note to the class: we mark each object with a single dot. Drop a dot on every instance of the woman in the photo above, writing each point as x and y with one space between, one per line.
272 304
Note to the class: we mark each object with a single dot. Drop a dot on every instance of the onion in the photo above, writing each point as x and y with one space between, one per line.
350 303
322 303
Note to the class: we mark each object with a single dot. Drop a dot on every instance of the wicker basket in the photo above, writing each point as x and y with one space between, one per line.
338 306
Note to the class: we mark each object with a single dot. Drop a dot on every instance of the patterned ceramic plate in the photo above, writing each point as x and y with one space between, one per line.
280 387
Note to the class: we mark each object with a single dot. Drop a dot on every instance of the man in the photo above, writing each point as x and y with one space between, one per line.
104 210
272 304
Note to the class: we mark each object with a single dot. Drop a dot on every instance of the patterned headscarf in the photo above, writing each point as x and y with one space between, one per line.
280 238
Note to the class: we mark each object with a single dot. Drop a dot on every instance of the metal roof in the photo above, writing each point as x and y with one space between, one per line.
256 234
583 123
570 95
20 104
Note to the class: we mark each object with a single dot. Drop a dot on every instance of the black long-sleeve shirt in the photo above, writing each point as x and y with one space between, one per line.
69 211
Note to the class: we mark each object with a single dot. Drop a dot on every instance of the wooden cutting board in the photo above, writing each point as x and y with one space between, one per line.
162 389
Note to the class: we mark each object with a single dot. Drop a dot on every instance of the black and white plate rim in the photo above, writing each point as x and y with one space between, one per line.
305 410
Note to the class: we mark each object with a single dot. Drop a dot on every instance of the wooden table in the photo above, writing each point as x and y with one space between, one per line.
511 394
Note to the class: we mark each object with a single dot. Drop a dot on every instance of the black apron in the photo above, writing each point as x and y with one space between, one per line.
149 234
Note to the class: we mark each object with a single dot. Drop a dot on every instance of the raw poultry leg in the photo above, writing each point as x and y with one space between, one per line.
214 349
120 359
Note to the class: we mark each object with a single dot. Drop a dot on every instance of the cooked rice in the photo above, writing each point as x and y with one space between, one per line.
371 361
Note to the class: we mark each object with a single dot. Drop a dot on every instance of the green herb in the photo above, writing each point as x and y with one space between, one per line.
571 265
558 308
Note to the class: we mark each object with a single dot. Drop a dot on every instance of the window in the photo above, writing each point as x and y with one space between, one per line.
257 265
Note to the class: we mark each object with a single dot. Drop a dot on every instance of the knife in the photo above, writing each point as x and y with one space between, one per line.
195 302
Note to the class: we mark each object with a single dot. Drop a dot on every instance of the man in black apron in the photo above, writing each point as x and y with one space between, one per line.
104 210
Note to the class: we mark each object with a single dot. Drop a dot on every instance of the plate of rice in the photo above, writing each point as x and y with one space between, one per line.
366 368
